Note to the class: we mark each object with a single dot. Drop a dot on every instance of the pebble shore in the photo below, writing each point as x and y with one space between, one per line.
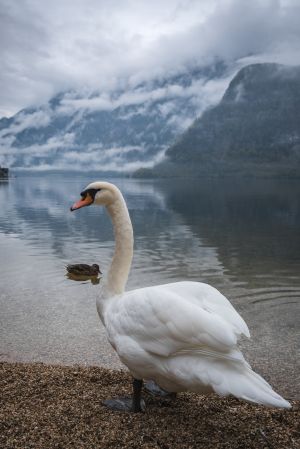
49 406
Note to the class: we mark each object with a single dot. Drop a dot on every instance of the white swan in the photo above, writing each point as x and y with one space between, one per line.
181 335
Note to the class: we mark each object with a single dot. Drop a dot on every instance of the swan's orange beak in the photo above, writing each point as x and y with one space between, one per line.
82 203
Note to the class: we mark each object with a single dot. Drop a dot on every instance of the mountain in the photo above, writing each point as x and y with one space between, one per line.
255 129
115 131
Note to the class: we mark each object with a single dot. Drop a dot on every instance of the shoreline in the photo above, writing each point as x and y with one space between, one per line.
280 371
61 406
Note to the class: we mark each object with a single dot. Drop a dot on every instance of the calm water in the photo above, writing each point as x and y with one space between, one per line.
240 236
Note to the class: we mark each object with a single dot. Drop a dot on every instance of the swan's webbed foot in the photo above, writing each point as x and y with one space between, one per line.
134 404
152 388
125 405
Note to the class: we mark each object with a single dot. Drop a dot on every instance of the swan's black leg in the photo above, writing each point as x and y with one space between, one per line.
134 404
152 388
136 396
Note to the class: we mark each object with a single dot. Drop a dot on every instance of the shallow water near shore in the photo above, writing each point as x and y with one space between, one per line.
241 236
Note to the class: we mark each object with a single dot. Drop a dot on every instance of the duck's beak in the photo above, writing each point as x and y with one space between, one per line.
82 203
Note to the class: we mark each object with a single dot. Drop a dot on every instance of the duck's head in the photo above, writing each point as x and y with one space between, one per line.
96 267
100 193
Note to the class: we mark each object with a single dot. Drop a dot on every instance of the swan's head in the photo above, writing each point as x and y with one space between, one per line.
100 193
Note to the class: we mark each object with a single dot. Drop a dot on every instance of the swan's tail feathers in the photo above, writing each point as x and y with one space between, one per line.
250 386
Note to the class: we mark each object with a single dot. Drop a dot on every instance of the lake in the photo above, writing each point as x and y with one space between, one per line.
239 235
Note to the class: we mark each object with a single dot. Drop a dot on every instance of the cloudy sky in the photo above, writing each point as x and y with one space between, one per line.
48 47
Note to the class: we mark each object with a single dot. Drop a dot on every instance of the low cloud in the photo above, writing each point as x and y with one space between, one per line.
94 158
204 93
52 145
37 119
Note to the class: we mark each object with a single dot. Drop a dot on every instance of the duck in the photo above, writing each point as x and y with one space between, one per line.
83 269
181 336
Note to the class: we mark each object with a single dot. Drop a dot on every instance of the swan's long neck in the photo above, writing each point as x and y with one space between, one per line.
121 263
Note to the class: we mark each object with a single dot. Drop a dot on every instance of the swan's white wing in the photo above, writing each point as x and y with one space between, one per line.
184 336
169 318
210 299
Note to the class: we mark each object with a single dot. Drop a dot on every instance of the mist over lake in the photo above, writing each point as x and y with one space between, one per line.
240 236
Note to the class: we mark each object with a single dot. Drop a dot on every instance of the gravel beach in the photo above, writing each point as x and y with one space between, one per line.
49 406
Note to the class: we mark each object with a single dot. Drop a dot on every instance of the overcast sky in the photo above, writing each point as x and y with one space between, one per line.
47 47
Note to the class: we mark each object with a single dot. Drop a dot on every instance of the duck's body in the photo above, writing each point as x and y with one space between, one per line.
83 269
182 335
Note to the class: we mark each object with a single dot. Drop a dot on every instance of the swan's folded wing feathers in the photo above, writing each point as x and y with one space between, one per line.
165 321
212 300
134 316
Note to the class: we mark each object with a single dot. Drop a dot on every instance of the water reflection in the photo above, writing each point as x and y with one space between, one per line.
83 278
246 231
254 224
242 230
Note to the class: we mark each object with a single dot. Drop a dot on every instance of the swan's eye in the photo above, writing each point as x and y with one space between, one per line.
90 192
93 192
